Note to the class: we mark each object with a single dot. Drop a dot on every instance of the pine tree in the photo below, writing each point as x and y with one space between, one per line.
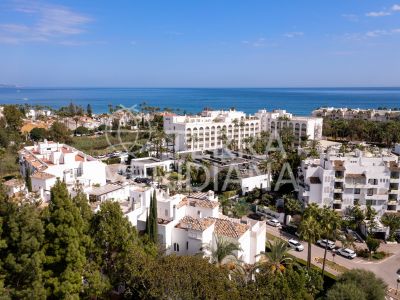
21 255
116 241
65 241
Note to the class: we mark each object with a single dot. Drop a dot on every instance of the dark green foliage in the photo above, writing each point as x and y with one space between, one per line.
38 134
59 133
13 117
151 222
65 245
362 130
372 244
28 180
21 256
89 110
358 284
189 277
81 130
345 291
291 284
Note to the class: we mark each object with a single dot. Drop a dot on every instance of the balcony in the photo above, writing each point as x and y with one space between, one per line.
338 190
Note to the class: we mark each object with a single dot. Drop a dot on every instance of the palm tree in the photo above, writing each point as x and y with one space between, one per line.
224 252
329 223
393 222
277 257
310 232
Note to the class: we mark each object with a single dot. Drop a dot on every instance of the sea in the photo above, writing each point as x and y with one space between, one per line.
299 101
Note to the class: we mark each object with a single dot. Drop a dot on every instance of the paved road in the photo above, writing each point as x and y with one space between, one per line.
386 268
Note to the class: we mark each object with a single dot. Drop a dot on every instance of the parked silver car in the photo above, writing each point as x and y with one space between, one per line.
348 253
274 222
324 242
296 245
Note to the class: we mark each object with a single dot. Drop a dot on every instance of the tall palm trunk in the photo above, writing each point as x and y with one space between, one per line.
309 255
323 263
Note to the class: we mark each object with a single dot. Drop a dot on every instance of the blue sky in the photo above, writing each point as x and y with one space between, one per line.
200 43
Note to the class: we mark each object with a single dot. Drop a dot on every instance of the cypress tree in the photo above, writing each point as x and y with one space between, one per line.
154 233
28 180
151 222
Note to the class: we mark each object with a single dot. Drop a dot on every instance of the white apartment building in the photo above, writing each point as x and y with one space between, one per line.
48 161
379 115
187 223
211 129
302 127
214 129
343 180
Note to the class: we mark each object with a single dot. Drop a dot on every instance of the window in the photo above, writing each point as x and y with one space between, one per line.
187 245
357 191
176 247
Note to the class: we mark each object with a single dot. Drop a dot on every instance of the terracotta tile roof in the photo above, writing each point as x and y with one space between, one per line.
194 224
14 182
42 175
79 158
202 203
65 150
228 228
355 175
183 202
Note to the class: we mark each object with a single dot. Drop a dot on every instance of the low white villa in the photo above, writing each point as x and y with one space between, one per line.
145 166
48 161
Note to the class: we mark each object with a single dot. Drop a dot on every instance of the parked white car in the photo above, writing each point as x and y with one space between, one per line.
274 222
296 245
324 242
348 253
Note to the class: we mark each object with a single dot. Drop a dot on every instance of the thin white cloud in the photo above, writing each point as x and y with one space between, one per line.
44 23
350 17
376 14
258 43
175 33
294 34
396 7
342 53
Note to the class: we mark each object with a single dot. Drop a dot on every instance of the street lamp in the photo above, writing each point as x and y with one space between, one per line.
398 281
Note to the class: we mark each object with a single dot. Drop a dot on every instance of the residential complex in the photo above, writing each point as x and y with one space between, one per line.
48 161
214 129
186 224
343 180
380 115
301 127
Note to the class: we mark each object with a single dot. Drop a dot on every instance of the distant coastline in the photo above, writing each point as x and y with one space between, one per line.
299 101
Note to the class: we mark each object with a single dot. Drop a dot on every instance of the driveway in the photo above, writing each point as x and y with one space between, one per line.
385 269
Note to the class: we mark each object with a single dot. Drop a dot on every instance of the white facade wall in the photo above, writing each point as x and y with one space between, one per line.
211 130
342 181
301 127
250 183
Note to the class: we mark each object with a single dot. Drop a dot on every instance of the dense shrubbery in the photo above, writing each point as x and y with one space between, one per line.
362 130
